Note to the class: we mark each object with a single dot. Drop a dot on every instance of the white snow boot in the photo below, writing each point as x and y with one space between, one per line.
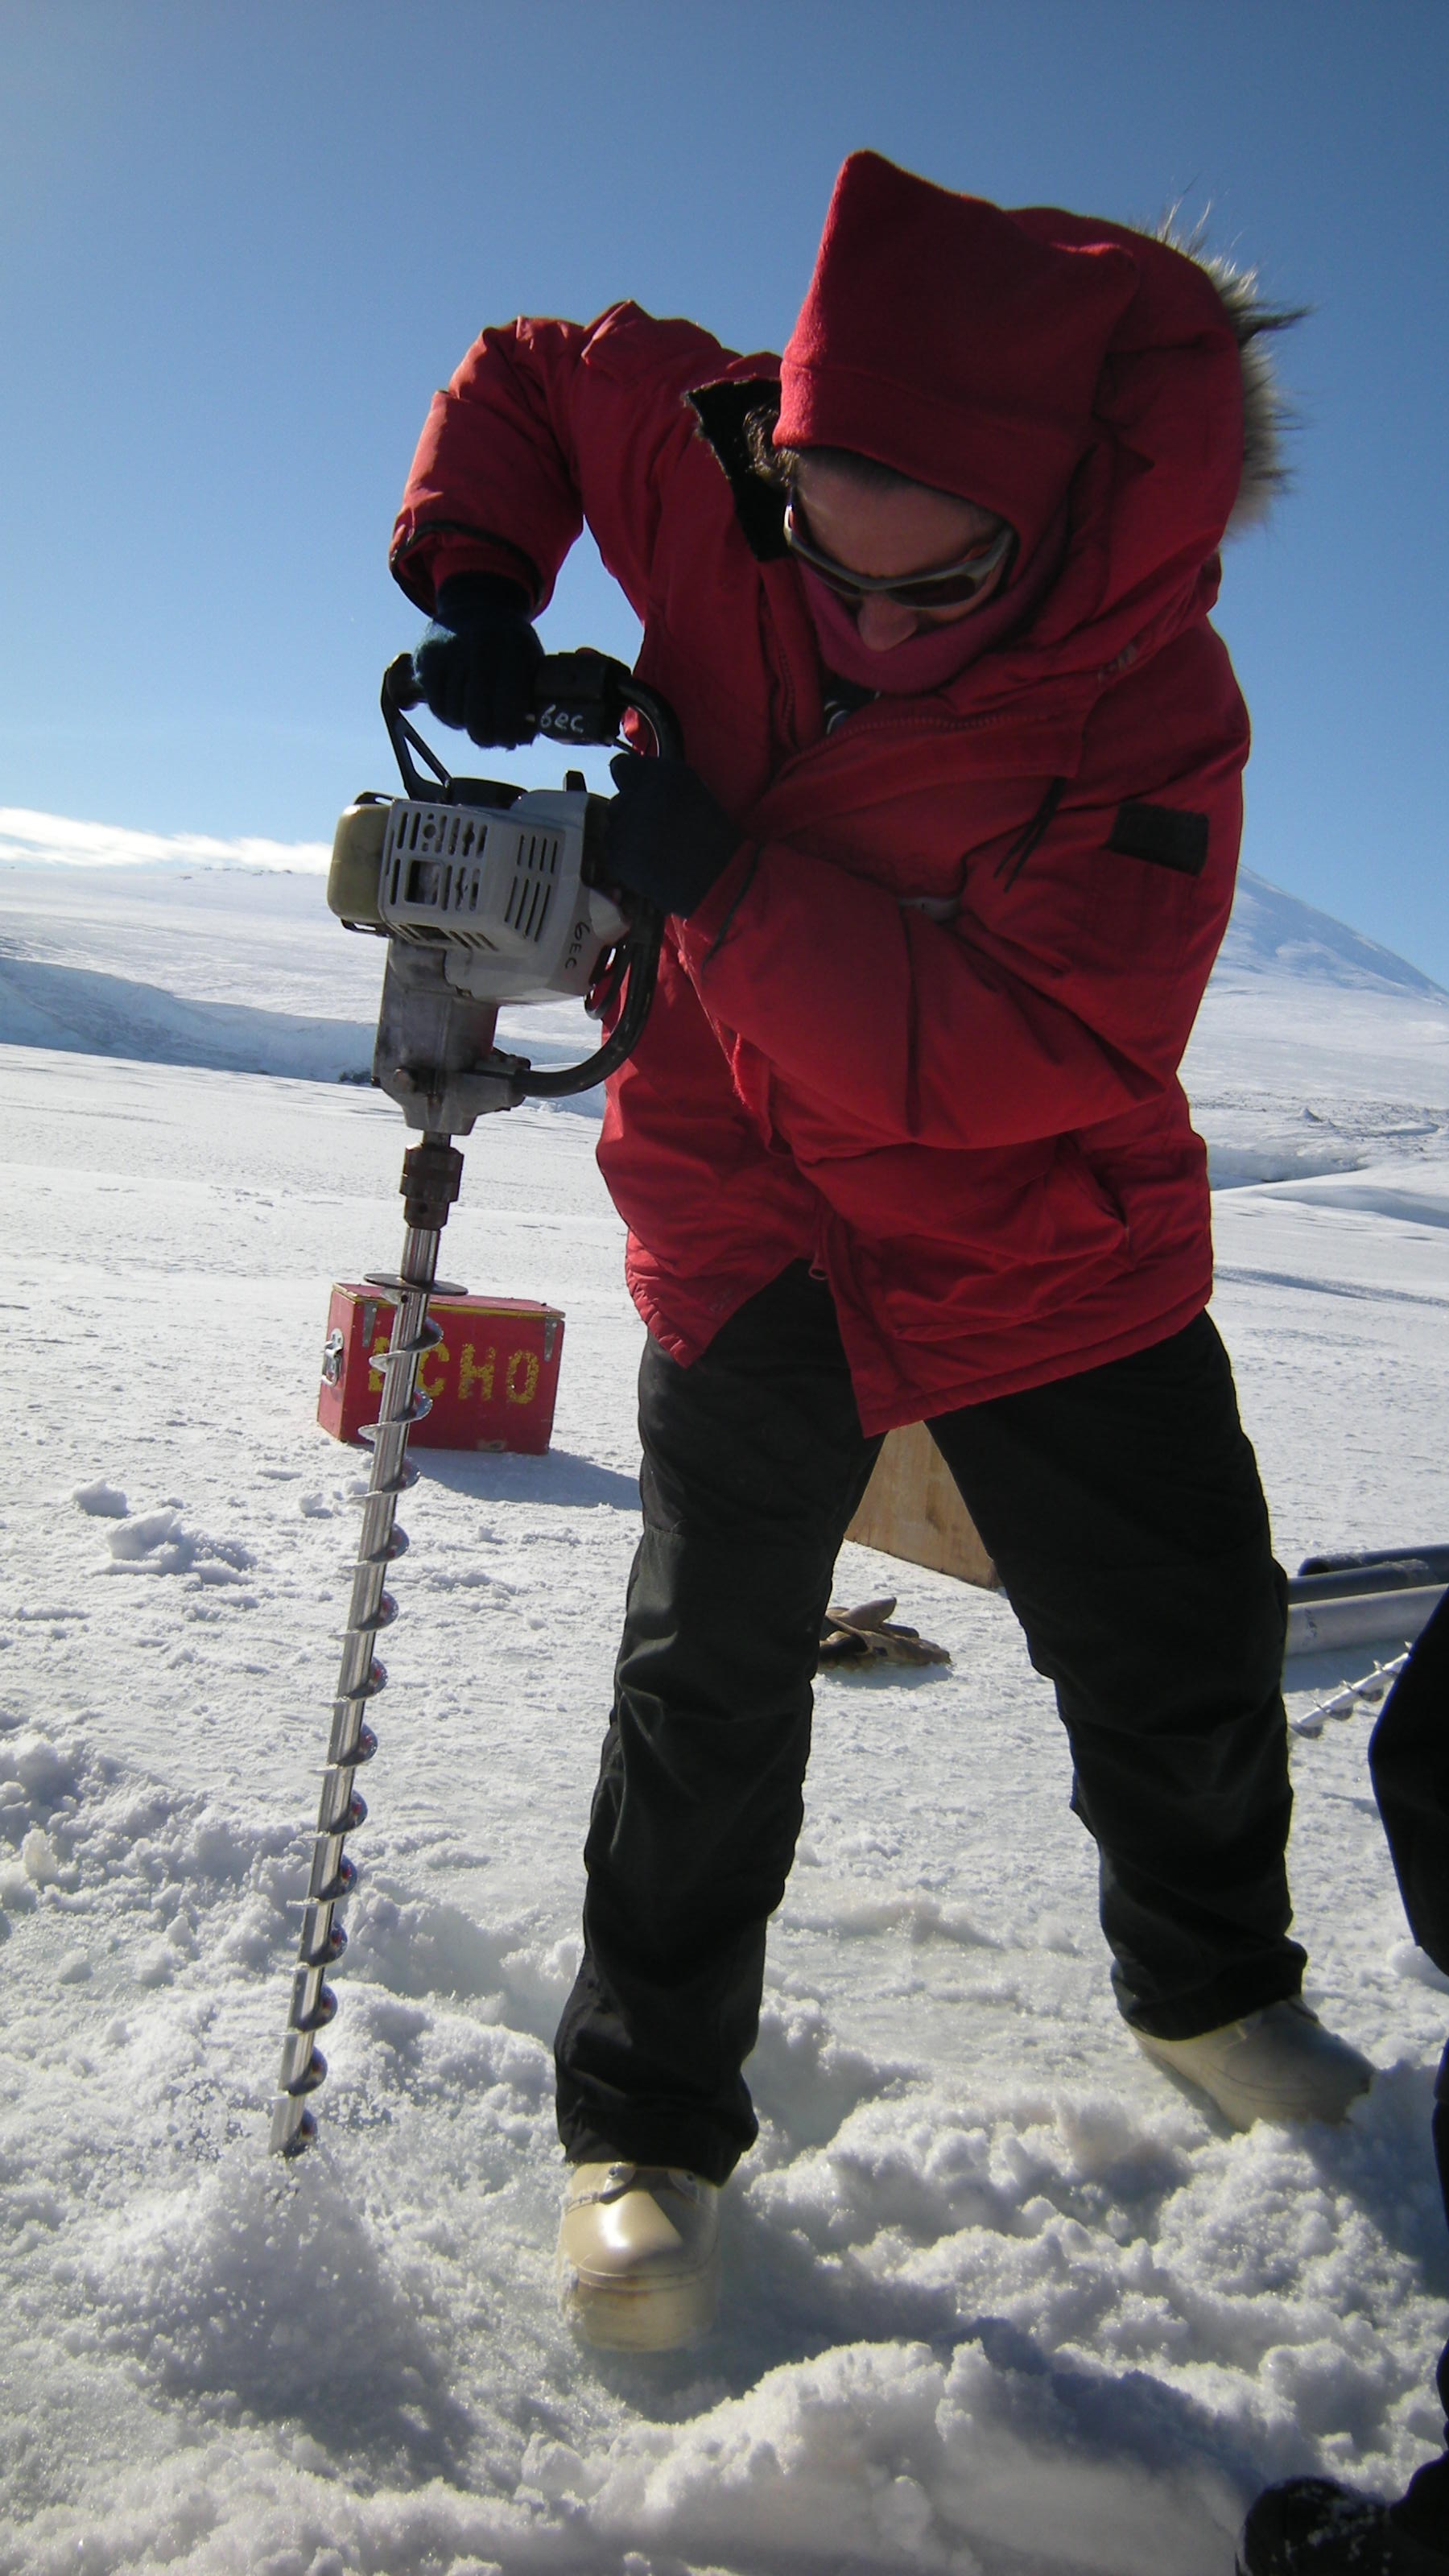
1277 2064
638 2255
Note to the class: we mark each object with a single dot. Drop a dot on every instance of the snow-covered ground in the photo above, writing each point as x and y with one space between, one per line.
997 2297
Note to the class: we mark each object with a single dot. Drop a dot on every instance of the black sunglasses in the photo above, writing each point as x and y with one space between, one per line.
947 588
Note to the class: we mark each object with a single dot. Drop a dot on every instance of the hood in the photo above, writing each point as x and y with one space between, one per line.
1035 360
953 341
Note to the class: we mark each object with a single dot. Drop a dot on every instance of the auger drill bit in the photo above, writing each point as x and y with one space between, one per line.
432 1177
487 895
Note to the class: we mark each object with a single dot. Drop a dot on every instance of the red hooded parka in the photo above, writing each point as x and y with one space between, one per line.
925 1030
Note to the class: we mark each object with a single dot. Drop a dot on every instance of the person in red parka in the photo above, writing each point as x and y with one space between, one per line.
946 869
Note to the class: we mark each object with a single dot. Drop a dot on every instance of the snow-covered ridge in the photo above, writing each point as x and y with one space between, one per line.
44 1005
61 840
235 967
1273 933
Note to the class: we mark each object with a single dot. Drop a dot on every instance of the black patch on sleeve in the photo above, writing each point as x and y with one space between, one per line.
721 411
1164 834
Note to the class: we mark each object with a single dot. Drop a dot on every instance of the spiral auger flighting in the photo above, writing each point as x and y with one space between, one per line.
432 1175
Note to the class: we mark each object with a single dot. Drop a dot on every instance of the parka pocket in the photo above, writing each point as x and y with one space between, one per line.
1006 1245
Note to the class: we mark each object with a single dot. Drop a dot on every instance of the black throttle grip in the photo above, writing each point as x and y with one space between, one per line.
581 697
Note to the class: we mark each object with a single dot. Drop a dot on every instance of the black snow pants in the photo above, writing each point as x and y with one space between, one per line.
1409 1760
1125 1516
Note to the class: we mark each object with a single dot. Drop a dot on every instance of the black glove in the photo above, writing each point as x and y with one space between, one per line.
666 837
478 661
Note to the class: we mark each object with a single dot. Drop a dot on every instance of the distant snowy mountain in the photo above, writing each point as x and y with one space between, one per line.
1316 1051
1273 933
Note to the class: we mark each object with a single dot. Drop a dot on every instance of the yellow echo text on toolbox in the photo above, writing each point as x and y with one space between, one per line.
491 1382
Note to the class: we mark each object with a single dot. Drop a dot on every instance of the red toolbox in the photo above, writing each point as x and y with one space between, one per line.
491 1381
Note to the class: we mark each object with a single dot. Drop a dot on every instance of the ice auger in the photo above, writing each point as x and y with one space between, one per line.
486 894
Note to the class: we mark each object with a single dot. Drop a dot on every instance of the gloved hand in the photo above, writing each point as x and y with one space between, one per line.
666 837
477 662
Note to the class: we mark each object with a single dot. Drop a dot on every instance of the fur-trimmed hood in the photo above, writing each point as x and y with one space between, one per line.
1267 416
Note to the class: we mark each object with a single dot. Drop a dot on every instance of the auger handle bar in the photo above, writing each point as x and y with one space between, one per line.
578 698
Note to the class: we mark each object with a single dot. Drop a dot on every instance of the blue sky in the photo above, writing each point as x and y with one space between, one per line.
243 243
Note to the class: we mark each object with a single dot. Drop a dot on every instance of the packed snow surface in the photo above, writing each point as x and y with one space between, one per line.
997 2297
